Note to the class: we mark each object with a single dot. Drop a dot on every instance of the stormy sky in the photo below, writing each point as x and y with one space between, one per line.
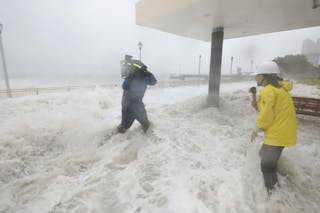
90 37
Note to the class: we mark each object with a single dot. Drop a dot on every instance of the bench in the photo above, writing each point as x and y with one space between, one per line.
307 106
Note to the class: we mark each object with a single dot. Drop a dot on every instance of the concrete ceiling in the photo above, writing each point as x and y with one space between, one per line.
197 18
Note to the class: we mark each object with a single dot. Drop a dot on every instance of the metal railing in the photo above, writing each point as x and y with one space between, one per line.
42 90
160 84
45 90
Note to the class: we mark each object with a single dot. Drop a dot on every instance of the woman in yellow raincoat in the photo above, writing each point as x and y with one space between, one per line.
276 118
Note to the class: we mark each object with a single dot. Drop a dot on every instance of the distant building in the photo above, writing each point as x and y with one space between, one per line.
311 50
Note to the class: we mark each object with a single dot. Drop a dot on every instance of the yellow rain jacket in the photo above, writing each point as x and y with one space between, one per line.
277 115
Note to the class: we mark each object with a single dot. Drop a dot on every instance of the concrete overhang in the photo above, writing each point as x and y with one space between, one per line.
196 18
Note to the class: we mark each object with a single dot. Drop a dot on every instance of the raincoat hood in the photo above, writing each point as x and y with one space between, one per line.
286 85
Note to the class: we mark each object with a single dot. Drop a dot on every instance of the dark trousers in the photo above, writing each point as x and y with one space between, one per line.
131 112
269 163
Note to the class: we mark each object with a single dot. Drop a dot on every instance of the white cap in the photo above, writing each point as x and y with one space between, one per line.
267 67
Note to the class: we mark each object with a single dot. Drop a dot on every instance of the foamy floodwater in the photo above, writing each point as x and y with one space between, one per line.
194 159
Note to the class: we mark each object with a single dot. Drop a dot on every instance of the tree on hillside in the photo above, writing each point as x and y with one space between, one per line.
297 66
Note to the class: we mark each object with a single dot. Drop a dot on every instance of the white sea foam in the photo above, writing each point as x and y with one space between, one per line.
195 159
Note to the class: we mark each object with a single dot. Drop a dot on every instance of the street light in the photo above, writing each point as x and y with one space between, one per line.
140 48
199 68
231 64
4 65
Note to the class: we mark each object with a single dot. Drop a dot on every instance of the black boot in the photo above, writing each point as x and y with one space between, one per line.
146 127
121 129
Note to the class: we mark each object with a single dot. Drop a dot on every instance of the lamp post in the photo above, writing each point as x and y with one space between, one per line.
251 65
231 64
140 48
199 69
9 94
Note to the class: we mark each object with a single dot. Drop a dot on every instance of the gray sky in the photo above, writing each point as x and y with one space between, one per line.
76 37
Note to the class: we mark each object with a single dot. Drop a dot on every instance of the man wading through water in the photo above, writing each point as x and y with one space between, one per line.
136 80
276 118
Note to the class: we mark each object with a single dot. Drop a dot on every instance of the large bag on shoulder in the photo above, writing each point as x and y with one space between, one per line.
129 67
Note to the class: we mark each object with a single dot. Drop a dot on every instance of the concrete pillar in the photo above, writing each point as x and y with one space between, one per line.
215 67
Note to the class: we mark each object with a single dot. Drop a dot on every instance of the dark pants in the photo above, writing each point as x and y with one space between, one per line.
269 164
131 112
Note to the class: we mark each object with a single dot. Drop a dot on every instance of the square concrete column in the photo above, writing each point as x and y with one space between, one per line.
215 67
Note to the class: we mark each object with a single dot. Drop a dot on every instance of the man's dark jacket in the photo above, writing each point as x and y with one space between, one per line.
135 85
